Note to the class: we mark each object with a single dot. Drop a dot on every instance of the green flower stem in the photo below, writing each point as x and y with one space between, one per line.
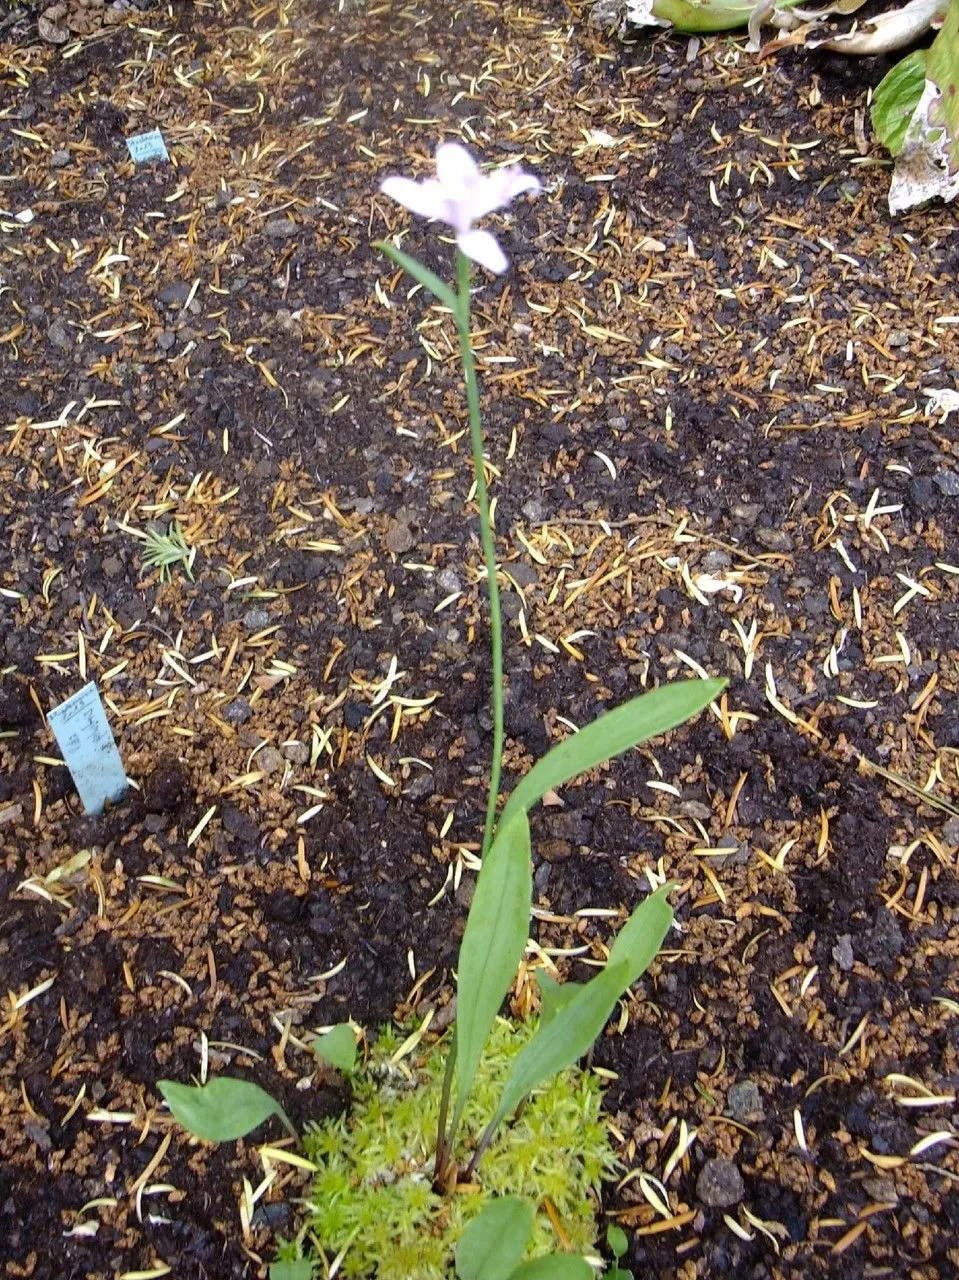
486 536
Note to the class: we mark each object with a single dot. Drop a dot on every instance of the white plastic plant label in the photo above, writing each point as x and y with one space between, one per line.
147 146
89 750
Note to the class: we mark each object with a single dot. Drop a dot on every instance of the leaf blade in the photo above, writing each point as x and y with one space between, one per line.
494 941
222 1110
570 1033
554 1266
609 735
337 1047
440 290
493 1243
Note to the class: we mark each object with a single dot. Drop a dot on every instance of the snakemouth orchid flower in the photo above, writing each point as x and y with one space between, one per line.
460 195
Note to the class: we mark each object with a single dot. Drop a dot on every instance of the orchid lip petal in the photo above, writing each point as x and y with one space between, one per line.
484 249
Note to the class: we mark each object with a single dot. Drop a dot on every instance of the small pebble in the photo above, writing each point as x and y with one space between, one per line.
842 953
280 229
237 712
398 538
256 619
948 483
296 752
744 1102
745 512
720 1184
696 809
774 539
269 760
448 582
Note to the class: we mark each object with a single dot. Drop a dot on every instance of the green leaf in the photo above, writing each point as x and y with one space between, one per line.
301 1269
896 98
493 943
610 735
553 996
617 1240
337 1047
642 935
440 290
222 1110
559 1042
554 1266
495 1240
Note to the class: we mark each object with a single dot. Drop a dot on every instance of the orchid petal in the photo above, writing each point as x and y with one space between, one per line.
484 249
500 188
456 170
428 199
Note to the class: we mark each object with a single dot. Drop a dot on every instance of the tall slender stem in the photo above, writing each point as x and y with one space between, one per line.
486 536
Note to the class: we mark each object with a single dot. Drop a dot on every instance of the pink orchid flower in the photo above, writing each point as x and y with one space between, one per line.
459 195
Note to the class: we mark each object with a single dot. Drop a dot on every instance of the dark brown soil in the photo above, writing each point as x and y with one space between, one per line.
704 382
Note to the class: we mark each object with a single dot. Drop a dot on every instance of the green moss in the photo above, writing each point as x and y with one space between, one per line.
374 1196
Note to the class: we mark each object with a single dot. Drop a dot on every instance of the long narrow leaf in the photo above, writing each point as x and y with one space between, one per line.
610 735
223 1109
494 1242
440 290
570 1033
493 944
564 1039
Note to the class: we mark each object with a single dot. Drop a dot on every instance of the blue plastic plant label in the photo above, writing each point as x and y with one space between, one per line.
86 740
147 146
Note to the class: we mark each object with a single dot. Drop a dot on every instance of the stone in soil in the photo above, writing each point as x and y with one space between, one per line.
256 619
720 1184
237 712
842 953
744 1102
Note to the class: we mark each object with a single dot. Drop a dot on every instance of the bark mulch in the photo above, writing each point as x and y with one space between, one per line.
711 450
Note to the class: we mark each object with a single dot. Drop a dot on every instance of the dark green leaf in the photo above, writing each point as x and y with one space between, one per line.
554 1266
337 1047
617 1240
301 1269
493 943
222 1110
896 98
495 1240
422 275
559 1042
612 733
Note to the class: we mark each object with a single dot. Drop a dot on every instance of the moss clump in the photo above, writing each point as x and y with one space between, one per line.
374 1197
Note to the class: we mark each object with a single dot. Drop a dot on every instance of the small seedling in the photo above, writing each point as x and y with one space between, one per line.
618 1243
164 550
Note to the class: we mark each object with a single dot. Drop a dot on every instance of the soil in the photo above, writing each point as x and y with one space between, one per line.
711 449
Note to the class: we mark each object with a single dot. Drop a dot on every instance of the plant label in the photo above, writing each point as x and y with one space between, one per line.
89 750
147 146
